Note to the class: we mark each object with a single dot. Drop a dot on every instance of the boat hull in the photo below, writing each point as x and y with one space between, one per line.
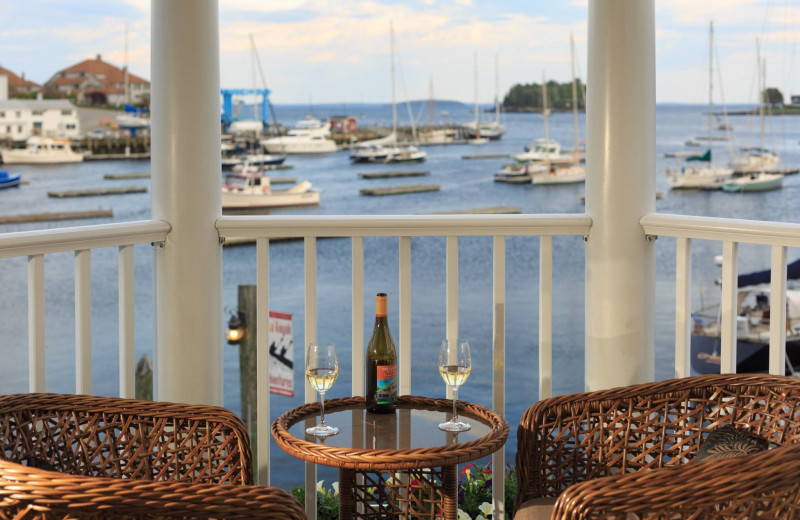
773 183
275 199
10 181
23 156
751 356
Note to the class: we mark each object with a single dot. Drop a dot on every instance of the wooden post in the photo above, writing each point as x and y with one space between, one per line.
247 360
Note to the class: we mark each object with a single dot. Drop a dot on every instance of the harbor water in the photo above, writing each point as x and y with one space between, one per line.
464 184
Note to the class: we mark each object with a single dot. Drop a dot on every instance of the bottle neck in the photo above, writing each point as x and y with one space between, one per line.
380 321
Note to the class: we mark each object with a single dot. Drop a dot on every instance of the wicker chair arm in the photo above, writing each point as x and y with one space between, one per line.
763 485
66 496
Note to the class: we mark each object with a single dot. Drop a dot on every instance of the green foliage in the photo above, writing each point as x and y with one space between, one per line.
327 500
475 491
773 97
529 96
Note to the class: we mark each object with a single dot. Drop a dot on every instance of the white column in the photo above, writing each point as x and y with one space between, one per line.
620 188
186 193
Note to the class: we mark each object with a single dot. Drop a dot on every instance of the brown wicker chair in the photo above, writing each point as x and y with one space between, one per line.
590 450
74 456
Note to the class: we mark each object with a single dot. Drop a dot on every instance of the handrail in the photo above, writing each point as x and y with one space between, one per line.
725 229
27 243
401 225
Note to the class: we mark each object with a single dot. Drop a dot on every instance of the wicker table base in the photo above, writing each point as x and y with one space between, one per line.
424 493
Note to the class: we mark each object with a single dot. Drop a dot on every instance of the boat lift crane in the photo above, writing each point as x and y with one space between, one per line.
228 94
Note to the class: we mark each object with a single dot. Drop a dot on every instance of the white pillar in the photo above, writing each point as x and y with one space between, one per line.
186 193
620 188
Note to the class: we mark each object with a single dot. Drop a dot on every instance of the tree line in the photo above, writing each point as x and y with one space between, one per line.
528 97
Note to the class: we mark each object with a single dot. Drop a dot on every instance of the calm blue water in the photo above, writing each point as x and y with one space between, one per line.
464 184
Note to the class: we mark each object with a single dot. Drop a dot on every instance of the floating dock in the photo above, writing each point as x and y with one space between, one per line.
65 215
400 190
491 210
390 175
96 192
486 156
115 156
124 176
282 180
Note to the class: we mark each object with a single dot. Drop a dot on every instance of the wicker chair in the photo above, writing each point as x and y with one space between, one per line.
592 450
74 456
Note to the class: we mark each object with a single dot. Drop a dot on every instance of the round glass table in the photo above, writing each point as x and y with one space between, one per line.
393 464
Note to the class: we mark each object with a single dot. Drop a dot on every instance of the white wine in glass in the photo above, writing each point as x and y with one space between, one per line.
455 365
322 369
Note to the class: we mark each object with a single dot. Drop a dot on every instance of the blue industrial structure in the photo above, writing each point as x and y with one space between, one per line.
228 116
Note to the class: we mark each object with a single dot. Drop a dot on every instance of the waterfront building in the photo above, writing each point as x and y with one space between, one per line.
97 82
18 85
24 118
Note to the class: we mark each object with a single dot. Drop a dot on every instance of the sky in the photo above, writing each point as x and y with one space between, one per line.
338 51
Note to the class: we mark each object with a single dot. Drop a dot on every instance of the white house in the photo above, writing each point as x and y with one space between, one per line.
23 118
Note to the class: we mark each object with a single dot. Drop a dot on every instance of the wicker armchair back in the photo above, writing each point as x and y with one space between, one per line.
75 456
569 439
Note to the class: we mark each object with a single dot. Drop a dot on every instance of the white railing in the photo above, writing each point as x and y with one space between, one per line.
731 232
262 229
81 240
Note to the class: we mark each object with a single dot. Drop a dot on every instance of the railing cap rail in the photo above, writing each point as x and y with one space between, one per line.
725 229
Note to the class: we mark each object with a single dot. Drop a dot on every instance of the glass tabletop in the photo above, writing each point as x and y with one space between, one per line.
409 427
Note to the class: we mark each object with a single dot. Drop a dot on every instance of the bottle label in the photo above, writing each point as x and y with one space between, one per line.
386 393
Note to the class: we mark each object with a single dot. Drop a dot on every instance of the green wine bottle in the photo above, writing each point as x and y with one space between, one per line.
381 365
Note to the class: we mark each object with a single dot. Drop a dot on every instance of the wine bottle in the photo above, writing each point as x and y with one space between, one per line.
381 365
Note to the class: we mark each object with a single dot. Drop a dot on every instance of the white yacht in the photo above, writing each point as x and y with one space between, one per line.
252 190
699 177
41 150
544 149
755 160
310 136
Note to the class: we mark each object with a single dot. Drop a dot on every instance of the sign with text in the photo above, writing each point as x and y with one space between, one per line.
281 354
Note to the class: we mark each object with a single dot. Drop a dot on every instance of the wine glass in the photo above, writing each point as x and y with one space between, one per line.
455 366
322 369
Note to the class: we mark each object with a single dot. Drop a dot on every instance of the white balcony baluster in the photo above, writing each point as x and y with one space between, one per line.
404 336
358 316
83 321
777 312
36 353
127 355
728 307
451 290
262 360
683 306
499 366
310 264
545 316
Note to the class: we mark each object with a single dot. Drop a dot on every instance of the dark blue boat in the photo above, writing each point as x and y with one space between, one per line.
8 181
752 327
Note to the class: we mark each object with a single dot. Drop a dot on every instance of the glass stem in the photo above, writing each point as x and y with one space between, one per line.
322 414
455 398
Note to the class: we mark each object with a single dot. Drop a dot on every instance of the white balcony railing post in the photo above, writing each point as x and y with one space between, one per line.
186 193
620 189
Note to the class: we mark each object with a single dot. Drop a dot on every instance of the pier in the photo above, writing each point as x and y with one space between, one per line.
486 156
124 176
96 192
390 175
400 190
63 215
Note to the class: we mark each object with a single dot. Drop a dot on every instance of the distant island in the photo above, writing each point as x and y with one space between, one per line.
528 97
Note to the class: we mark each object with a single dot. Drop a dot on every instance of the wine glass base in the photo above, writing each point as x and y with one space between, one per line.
455 426
322 430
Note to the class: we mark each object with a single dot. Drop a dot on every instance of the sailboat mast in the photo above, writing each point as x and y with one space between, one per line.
394 101
762 79
574 94
127 82
430 107
253 65
710 84
544 116
477 120
496 90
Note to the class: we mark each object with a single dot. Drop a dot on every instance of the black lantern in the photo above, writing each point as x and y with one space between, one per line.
235 331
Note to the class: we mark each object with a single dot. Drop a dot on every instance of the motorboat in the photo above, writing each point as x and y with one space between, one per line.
9 180
369 153
552 175
752 326
544 149
405 154
308 137
262 159
761 181
755 160
518 172
252 190
41 150
698 177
